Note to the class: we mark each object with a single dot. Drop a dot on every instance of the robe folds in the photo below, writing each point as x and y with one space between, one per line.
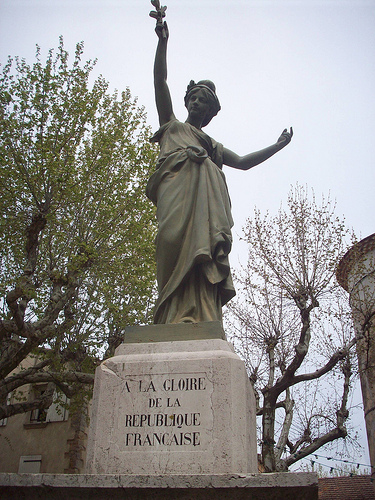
194 226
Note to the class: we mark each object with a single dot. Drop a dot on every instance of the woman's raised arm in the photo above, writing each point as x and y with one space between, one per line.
248 161
162 94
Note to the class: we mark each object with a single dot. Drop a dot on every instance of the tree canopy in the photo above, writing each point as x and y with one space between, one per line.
293 327
76 239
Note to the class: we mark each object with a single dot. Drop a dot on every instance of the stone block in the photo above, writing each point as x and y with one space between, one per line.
275 486
175 407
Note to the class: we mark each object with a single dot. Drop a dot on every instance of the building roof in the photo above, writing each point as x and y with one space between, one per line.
355 253
346 488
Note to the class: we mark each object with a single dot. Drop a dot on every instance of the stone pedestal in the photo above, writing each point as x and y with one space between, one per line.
277 486
173 406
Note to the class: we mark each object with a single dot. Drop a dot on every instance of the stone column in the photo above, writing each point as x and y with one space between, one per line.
356 274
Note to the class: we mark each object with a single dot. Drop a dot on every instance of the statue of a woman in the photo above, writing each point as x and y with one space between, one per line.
193 205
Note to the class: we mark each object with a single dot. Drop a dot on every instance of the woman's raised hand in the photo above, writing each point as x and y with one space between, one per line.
285 137
162 31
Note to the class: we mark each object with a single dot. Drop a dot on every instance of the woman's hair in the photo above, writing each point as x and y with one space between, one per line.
209 90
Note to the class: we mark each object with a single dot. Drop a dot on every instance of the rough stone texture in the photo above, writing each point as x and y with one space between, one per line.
182 407
277 486
77 445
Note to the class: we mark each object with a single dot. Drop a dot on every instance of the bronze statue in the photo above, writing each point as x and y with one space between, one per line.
191 195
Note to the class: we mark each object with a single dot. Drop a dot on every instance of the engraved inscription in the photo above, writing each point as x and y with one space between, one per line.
166 412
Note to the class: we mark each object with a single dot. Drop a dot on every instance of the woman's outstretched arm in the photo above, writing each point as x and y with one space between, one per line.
248 161
162 95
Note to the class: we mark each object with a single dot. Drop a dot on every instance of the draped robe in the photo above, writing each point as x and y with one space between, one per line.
194 226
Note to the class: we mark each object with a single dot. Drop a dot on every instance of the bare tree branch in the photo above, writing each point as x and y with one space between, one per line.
43 402
338 432
68 382
293 326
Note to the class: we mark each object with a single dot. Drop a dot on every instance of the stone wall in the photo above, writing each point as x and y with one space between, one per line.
356 274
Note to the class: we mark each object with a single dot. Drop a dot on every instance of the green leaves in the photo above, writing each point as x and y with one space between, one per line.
79 158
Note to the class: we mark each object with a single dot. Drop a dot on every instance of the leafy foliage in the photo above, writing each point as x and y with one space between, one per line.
76 238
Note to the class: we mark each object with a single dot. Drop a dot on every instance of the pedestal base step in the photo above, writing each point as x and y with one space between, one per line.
276 486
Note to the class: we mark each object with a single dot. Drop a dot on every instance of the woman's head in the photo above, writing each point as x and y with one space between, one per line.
209 90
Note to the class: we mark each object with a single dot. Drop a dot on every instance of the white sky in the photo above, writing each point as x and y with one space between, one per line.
275 63
309 64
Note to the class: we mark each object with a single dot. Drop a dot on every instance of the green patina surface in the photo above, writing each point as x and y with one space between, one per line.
174 332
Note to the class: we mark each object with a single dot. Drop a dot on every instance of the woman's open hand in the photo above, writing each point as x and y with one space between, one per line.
285 138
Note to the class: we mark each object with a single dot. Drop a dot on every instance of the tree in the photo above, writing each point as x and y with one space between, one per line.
76 240
294 330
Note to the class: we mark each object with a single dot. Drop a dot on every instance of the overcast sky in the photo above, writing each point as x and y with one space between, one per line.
276 64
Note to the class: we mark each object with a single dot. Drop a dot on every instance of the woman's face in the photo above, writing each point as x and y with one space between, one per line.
198 105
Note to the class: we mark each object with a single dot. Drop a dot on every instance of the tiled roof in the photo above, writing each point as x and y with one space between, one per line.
346 488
